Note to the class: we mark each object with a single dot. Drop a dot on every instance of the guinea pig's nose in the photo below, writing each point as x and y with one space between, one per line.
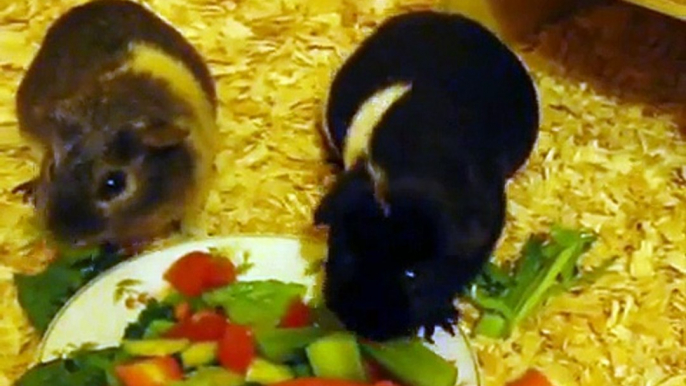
73 221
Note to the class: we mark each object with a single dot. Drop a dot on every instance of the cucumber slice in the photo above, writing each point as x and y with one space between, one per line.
264 372
154 347
412 363
199 354
283 344
337 356
212 376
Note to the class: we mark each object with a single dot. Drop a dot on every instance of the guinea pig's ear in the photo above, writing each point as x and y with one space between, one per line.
342 196
163 135
67 127
326 210
62 146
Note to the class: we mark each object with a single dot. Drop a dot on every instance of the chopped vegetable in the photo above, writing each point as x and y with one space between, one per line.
182 310
312 381
375 372
223 272
547 266
199 354
265 373
154 347
297 315
41 307
239 334
255 303
236 348
202 326
324 318
283 344
83 368
337 356
412 363
154 311
42 295
491 324
197 272
532 377
71 253
159 371
157 328
212 376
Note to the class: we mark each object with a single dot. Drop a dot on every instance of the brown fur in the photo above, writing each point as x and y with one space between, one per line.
93 116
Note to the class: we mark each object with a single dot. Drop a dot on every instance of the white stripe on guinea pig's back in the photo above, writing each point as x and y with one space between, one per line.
367 117
154 62
150 60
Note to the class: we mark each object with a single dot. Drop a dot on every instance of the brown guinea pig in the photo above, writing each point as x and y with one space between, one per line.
124 109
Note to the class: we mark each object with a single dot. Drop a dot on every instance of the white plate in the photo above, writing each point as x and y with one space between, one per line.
96 316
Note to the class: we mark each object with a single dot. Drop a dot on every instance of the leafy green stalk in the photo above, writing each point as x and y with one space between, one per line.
492 324
80 368
548 265
154 311
42 295
489 303
537 292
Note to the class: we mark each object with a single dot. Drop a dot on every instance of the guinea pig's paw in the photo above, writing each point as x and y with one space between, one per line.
438 315
26 190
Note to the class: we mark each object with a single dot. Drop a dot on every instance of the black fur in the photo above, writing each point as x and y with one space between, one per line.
446 148
493 100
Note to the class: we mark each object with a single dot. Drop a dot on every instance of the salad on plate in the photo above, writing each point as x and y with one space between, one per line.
214 325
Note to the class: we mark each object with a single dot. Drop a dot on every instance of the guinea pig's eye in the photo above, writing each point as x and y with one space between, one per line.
112 185
409 275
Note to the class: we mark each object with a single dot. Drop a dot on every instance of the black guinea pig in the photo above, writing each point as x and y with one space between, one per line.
124 109
429 117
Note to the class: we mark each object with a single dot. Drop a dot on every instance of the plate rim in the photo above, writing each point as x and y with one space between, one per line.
205 243
202 243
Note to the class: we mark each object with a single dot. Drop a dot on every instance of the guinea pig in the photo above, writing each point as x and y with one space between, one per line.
124 111
429 117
